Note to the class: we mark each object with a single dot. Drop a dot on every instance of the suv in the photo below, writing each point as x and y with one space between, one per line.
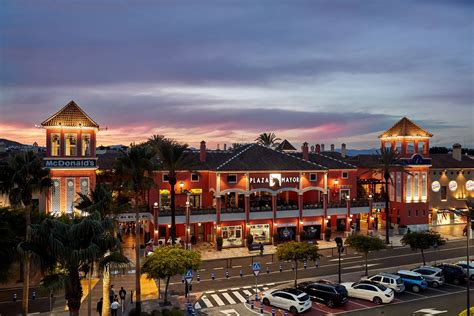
466 267
413 280
452 273
434 276
331 294
390 280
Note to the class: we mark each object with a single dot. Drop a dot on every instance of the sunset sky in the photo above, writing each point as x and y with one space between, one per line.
225 71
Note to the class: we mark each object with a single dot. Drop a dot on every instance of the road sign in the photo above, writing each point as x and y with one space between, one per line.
189 276
256 268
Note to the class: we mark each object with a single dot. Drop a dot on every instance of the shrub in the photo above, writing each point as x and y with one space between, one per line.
302 235
276 238
249 240
219 242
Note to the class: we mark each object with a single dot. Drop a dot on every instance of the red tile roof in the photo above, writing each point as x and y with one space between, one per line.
405 127
70 115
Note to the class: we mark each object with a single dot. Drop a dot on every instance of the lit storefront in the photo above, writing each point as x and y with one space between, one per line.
232 236
260 232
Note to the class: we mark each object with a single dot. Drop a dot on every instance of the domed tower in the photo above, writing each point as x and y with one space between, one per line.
408 191
70 155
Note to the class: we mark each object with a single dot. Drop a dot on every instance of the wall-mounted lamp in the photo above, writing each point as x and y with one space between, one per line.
301 222
199 224
155 204
370 196
169 226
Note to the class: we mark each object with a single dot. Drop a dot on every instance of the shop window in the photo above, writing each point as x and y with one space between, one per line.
444 193
84 186
415 186
165 177
71 145
260 233
424 185
231 178
399 187
313 177
345 175
194 177
86 145
408 193
56 197
232 236
55 145
70 195
410 147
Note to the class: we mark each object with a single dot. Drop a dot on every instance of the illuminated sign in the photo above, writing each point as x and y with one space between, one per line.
70 163
453 185
435 186
470 185
274 180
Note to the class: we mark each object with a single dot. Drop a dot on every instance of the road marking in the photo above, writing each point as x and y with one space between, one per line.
237 267
360 304
265 288
437 290
361 266
217 299
247 287
347 258
202 270
221 268
206 301
235 289
247 292
224 290
430 311
269 263
239 297
270 284
416 294
230 312
210 292
459 287
197 305
228 298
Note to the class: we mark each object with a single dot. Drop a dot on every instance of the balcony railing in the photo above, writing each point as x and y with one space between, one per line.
337 204
232 210
260 209
181 211
287 207
359 203
312 206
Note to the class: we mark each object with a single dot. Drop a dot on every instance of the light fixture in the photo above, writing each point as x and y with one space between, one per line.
181 185
301 222
276 224
218 226
169 226
370 196
155 204
329 216
350 215
156 231
199 224
336 182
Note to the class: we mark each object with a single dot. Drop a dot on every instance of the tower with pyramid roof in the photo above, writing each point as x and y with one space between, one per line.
70 155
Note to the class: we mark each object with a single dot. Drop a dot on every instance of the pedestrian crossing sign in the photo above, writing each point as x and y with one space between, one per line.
256 268
189 276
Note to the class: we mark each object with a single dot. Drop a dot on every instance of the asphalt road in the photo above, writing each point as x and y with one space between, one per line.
328 265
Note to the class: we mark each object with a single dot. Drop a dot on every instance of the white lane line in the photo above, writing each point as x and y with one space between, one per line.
235 289
265 288
359 304
197 306
237 267
219 268
436 290
247 287
270 284
202 270
206 302
239 297
459 287
247 292
217 299
224 290
416 294
228 298
210 292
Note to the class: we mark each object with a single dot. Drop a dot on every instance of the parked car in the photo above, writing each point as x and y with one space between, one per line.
413 280
464 265
329 293
452 273
371 291
433 275
390 280
293 300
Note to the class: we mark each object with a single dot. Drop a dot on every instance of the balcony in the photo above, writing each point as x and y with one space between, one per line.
229 210
287 207
359 203
181 211
337 204
312 206
260 209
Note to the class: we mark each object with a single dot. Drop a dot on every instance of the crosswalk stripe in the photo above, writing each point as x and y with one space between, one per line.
218 299
247 292
206 302
265 288
197 305
239 297
228 298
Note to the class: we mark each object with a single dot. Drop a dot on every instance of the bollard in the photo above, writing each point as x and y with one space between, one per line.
281 268
268 270
305 265
213 276
241 273
252 306
316 263
14 297
286 313
182 279
293 267
227 274
248 299
131 296
33 295
261 308
273 311
198 278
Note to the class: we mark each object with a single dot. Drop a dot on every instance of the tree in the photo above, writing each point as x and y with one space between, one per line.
297 251
136 168
267 139
20 179
423 241
64 246
365 244
100 200
169 261
388 158
173 158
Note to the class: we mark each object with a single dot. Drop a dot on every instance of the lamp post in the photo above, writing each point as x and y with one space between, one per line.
340 249
187 220
155 218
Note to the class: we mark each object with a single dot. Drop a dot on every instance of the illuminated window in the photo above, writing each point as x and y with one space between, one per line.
71 145
86 145
424 181
415 186
408 193
391 187
55 145
399 187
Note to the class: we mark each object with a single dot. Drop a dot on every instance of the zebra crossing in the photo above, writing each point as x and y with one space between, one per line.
228 296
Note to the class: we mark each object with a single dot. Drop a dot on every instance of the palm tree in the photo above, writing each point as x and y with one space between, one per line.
173 158
100 200
65 246
20 179
267 139
388 158
136 168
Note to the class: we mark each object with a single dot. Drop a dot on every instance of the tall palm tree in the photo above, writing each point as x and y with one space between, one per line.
100 200
173 158
23 177
136 167
267 139
388 158
64 246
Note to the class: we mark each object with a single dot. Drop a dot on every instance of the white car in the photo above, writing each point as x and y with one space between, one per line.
293 300
370 291
464 265
389 280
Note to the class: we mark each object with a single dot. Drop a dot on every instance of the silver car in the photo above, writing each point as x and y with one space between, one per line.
390 280
434 276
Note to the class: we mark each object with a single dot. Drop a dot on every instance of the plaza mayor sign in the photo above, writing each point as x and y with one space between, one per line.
273 180
70 163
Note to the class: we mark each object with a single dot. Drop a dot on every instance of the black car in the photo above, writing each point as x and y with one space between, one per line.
331 294
452 273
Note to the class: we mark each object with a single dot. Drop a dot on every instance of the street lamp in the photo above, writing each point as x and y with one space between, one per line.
340 249
155 217
187 220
